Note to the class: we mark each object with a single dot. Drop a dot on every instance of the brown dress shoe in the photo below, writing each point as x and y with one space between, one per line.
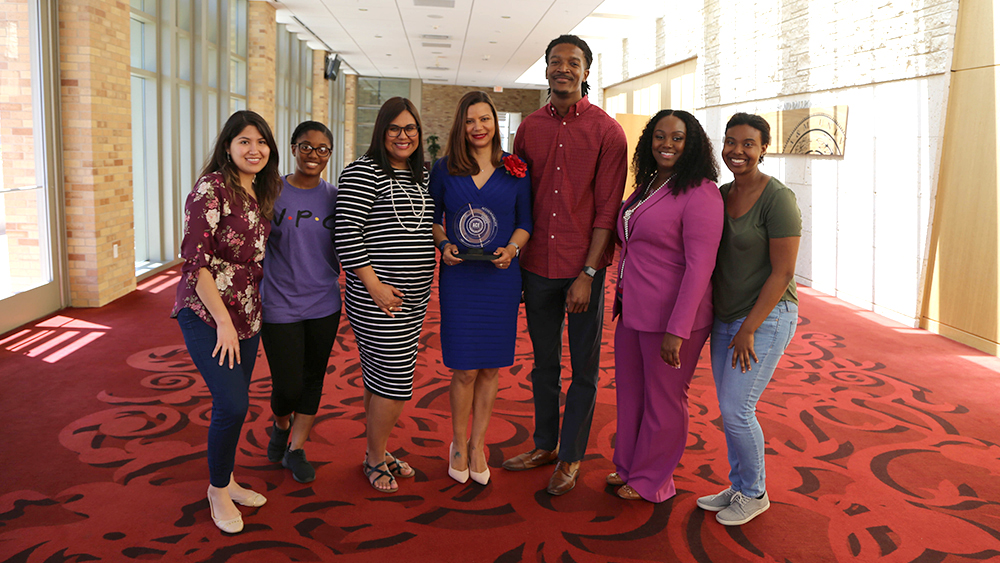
615 479
530 460
563 478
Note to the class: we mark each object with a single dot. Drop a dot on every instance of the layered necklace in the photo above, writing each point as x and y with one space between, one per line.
421 215
649 193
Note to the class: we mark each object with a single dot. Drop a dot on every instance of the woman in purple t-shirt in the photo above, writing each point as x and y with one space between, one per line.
301 295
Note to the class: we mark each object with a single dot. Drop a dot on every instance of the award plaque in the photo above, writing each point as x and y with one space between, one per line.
475 228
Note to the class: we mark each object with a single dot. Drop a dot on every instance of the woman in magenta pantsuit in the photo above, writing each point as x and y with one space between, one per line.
669 230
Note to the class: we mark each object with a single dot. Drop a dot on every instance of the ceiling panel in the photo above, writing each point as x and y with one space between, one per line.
489 42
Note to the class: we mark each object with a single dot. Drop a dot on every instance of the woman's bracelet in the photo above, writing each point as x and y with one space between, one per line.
442 244
517 248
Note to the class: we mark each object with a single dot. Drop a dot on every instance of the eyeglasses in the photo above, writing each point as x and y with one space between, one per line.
411 130
306 148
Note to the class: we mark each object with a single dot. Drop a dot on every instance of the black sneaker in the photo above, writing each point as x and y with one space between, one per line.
296 460
278 444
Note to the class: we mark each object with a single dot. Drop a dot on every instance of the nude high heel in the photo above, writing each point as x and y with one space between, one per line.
482 477
460 476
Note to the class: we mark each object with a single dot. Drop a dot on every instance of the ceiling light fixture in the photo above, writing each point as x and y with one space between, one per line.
434 3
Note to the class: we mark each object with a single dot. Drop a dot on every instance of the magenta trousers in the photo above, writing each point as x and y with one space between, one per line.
652 409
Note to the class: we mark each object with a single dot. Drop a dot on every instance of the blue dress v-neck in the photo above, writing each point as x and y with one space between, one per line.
479 301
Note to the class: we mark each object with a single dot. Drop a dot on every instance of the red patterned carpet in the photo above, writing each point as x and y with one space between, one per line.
881 447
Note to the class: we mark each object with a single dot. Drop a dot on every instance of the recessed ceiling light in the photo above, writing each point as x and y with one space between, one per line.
388 54
505 17
493 42
378 37
362 9
435 17
486 57
435 52
438 68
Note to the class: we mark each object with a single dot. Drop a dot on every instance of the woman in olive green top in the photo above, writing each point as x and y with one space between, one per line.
756 309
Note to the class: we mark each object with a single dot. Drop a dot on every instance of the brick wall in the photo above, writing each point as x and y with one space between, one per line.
261 52
440 102
17 151
97 143
320 90
763 50
350 115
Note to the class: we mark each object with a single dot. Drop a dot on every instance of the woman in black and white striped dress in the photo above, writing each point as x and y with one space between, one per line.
386 247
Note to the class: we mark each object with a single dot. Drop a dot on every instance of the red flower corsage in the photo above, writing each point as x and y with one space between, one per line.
515 166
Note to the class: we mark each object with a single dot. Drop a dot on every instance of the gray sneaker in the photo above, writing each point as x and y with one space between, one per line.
742 510
278 443
302 470
717 502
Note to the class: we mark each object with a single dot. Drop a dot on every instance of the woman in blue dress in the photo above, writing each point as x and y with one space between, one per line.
482 202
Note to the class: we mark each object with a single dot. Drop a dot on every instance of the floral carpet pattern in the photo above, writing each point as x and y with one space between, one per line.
869 458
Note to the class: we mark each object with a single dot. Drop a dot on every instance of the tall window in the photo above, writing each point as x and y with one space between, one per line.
372 93
189 72
294 86
145 164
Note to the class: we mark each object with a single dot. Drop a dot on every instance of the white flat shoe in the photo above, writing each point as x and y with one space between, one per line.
460 476
233 526
252 499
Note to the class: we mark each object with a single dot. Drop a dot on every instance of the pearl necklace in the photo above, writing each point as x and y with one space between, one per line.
628 212
423 204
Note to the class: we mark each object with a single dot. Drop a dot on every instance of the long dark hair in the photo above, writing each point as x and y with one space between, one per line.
267 184
460 162
696 163
390 110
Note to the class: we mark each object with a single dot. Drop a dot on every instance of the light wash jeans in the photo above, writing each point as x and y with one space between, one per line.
739 392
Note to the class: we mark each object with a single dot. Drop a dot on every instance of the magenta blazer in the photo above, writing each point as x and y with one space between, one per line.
665 268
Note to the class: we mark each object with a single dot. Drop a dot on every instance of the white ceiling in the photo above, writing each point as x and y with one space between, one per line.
482 43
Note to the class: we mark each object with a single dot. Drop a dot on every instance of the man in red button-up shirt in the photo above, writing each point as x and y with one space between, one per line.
576 154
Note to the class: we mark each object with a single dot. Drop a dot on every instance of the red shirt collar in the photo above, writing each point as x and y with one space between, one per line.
575 109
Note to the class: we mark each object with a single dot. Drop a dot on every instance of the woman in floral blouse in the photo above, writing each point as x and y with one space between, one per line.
227 219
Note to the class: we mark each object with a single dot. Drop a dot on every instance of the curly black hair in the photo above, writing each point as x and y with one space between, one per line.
696 163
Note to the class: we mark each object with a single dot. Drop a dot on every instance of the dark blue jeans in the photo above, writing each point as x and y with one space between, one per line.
230 389
545 309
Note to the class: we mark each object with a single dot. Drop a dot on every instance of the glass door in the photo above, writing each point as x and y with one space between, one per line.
29 274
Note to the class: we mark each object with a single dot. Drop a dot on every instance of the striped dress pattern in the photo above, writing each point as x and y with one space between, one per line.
385 224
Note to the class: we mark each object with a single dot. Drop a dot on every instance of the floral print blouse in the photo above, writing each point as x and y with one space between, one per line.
226 235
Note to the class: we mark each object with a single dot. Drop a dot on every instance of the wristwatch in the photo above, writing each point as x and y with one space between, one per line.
517 248
589 271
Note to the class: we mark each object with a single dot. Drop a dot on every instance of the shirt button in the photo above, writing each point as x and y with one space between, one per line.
552 236
564 123
553 214
557 168
557 191
560 145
